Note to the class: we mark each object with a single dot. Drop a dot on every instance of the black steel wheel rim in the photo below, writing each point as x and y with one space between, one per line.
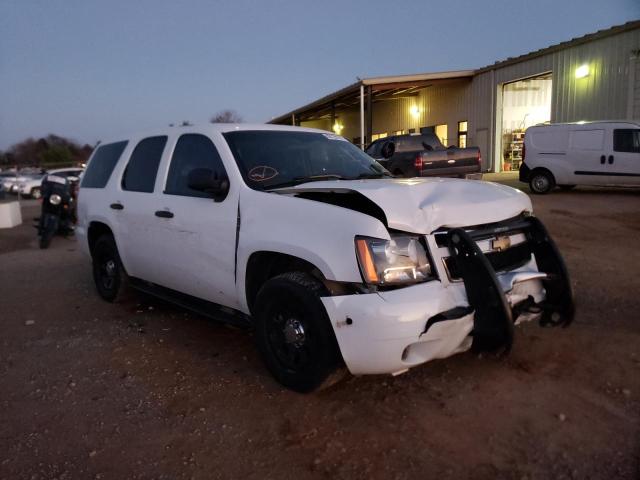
288 338
107 272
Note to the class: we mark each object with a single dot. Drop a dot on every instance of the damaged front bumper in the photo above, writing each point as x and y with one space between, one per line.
392 331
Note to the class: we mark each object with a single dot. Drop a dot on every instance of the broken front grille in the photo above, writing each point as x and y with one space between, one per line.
514 256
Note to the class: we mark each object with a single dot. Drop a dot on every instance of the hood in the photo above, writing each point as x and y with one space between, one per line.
422 205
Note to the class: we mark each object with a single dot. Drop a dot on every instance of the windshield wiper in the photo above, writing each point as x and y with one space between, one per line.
316 178
305 179
372 175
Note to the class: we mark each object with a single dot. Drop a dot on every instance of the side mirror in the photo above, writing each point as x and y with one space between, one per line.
388 149
209 182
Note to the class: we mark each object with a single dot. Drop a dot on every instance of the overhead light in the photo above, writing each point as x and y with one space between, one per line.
414 110
337 128
582 71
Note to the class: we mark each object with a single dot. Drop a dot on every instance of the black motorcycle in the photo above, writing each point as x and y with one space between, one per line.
58 208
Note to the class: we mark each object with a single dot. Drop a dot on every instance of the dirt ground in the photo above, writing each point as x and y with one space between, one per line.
145 390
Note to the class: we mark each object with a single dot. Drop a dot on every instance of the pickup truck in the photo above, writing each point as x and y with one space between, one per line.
423 155
298 234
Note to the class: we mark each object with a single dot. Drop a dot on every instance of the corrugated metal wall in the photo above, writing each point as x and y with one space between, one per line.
602 95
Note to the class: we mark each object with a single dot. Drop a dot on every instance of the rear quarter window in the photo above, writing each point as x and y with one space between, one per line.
102 164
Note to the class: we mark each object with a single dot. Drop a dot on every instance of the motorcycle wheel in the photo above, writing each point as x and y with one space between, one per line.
45 238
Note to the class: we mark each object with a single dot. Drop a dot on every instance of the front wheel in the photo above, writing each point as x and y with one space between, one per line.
45 238
294 333
109 275
47 229
541 182
35 193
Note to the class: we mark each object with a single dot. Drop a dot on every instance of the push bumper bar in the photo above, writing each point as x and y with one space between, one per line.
494 317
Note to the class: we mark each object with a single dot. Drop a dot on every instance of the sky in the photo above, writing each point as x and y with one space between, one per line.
92 70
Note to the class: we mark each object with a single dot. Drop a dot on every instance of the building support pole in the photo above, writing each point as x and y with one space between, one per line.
293 119
362 116
333 117
369 126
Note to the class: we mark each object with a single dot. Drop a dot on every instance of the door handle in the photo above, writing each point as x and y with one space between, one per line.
602 159
164 214
116 206
610 159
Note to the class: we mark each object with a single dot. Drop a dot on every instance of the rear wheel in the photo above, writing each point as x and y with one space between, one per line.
108 273
541 181
294 333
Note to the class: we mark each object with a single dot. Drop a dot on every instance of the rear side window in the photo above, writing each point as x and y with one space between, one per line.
102 164
587 139
626 140
193 150
141 171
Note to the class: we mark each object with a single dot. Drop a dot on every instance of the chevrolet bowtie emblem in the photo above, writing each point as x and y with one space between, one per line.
500 243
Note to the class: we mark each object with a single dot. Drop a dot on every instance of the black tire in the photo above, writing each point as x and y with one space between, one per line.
45 238
541 181
109 274
294 333
566 188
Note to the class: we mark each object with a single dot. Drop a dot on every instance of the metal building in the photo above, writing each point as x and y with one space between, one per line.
594 77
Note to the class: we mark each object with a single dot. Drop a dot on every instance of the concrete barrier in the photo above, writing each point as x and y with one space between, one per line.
10 215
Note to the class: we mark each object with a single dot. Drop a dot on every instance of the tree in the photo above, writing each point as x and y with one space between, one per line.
56 155
47 151
226 116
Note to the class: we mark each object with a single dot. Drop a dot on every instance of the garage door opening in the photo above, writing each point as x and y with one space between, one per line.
524 103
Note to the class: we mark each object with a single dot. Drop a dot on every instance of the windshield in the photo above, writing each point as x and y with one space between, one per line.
271 159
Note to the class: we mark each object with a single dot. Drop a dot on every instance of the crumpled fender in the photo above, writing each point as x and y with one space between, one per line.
319 233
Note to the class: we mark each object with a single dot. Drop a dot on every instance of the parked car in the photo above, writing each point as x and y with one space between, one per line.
584 153
297 233
29 185
32 185
8 181
423 155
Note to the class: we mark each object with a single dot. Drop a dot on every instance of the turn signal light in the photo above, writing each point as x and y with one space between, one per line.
366 260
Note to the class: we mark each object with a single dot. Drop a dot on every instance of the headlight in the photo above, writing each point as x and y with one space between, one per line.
403 259
55 199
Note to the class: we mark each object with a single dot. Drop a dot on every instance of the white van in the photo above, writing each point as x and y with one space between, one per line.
585 153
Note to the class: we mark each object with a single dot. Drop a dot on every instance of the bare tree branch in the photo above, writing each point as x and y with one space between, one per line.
226 116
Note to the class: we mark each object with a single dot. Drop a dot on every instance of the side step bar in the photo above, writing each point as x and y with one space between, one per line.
493 324
196 305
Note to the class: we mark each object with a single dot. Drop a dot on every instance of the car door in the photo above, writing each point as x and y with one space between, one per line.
198 234
624 157
133 204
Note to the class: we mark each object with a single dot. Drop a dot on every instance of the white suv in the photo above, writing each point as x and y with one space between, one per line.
297 233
